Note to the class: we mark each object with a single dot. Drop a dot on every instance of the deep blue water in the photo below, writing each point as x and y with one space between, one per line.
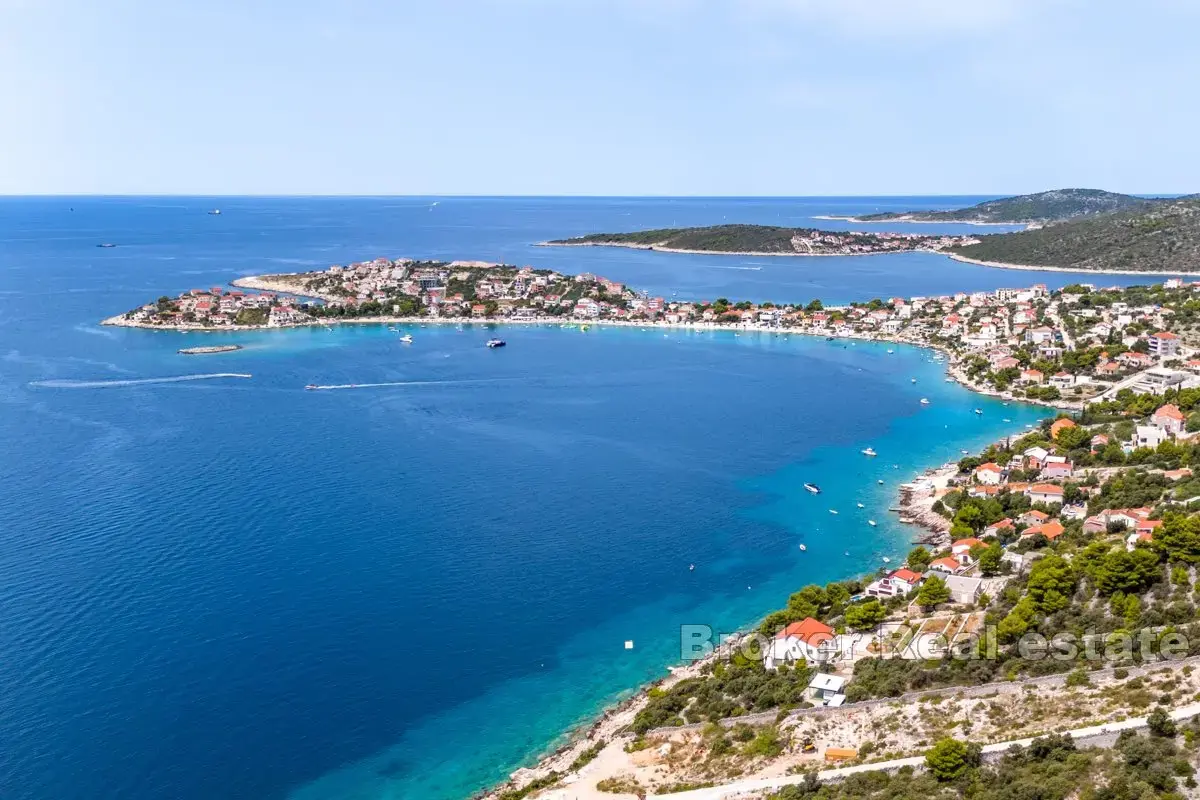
236 588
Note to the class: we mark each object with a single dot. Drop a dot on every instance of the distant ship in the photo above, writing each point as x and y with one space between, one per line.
812 487
406 338
924 401
106 244
493 343
216 212
870 451
310 386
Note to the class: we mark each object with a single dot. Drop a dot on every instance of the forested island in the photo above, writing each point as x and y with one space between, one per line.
1162 237
765 240
1026 209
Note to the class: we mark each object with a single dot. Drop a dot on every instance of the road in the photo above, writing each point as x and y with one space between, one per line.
739 788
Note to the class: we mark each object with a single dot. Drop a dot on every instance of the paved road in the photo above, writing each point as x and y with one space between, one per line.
732 790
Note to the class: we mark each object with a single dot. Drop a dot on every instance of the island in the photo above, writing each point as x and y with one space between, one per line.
764 240
1026 209
1159 238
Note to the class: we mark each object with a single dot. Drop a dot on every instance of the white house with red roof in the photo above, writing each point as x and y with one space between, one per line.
1051 530
961 549
1169 419
1164 344
998 528
807 641
947 565
897 583
1032 376
991 474
1045 493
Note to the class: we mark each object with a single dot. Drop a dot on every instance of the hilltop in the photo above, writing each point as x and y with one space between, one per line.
764 240
1040 208
1163 236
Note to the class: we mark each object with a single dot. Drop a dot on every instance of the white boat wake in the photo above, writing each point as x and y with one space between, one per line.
70 384
332 387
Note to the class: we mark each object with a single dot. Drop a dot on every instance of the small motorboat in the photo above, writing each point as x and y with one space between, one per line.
887 560
494 343
870 451
890 351
406 338
978 411
310 386
949 380
924 401
106 244
965 452
860 505
914 380
691 567
216 212
880 481
871 522
812 487
833 511
803 548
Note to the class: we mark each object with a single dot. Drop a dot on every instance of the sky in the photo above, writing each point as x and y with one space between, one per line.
598 97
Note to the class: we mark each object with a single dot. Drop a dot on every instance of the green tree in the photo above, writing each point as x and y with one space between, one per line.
1051 584
933 592
866 615
991 559
1160 723
1179 538
918 559
949 759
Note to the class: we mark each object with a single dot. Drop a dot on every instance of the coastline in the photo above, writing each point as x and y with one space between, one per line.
754 253
1077 270
862 221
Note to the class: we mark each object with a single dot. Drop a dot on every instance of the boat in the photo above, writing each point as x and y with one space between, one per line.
310 386
965 452
871 522
860 505
494 343
978 411
691 567
106 244
887 560
924 401
914 380
803 548
392 328
890 351
870 451
812 487
880 481
1006 419
833 511
406 338
216 212
949 380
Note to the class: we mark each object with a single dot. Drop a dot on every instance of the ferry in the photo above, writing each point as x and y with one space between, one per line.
870 451
494 343
406 338
924 401
812 487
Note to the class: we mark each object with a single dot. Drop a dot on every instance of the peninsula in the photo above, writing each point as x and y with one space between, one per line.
765 240
1027 209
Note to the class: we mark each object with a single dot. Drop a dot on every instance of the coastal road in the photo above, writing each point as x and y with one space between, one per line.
1100 735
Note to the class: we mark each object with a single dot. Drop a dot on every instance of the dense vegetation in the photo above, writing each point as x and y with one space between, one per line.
1057 204
726 238
1164 236
1051 768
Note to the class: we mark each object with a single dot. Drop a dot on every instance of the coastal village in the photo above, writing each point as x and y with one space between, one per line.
1083 527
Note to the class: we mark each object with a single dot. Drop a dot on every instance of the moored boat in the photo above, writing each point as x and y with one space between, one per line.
494 343
812 487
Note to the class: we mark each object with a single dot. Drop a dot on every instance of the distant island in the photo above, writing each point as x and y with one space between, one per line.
1026 209
1162 237
764 240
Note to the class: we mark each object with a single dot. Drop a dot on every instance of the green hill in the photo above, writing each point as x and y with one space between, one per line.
1057 204
766 239
1162 236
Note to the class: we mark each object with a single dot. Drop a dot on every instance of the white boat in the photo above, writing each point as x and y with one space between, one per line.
406 338
492 344
216 212
880 481
924 401
870 451
871 522
949 380
833 511
978 411
812 487
860 505
802 548
890 351
887 560
914 380
1006 419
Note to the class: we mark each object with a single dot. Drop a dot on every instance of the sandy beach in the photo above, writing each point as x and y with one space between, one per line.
1035 268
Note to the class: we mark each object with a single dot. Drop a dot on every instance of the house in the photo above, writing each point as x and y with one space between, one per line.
1135 360
990 474
962 550
896 583
1021 561
1033 517
1099 442
1164 344
1061 424
1045 493
1125 518
946 565
1169 419
1057 467
964 589
1051 530
1062 380
1148 436
826 688
997 528
1177 474
1035 457
1031 376
1039 335
807 641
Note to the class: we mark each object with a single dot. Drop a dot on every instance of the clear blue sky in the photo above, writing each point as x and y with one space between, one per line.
676 97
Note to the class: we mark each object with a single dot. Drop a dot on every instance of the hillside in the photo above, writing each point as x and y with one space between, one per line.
763 239
1161 237
1057 204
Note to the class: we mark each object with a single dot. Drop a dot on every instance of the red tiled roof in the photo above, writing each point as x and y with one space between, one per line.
807 630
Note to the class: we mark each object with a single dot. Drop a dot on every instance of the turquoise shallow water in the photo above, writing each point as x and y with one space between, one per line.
235 588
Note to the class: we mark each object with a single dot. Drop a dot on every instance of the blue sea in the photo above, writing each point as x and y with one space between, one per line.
231 587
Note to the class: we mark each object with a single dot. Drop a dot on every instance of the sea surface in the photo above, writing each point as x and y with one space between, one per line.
221 586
